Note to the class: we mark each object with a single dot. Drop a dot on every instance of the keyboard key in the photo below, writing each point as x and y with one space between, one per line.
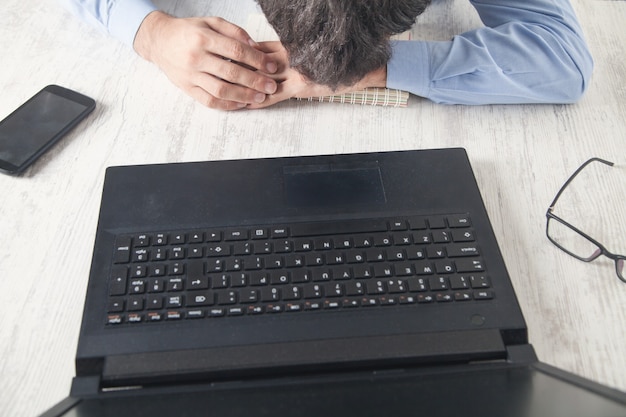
396 286
441 236
200 299
160 239
174 315
270 294
313 291
137 286
469 265
459 220
462 296
479 281
135 303
417 284
260 234
438 283
141 240
115 318
174 301
422 238
154 302
140 255
463 235
459 283
195 314
155 285
483 295
333 290
122 250
249 296
436 222
417 223
279 232
116 305
175 284
239 234
178 238
226 297
398 225
119 278
444 297
220 281
457 251
196 237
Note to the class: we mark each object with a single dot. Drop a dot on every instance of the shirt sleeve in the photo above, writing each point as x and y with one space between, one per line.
119 18
530 51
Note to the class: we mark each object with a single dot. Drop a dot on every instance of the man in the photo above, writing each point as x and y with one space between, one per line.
530 51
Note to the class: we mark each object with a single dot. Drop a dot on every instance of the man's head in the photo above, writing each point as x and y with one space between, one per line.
337 42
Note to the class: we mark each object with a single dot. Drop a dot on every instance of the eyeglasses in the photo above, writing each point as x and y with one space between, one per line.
572 240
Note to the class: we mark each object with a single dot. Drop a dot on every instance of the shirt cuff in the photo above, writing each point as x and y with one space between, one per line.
126 17
408 68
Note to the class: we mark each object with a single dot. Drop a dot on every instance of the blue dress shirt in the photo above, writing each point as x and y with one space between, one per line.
530 51
120 18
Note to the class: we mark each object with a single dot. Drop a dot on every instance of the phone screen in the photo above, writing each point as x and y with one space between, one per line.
36 125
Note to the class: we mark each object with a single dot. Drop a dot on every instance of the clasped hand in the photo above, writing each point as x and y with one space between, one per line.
219 65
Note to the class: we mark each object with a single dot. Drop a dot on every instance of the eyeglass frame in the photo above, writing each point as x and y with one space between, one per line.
603 251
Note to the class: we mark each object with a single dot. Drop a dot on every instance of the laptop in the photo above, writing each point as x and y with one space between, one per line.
347 284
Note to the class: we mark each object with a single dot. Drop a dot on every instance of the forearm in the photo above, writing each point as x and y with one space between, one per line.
531 51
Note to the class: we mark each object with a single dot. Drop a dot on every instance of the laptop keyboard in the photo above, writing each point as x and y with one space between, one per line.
295 268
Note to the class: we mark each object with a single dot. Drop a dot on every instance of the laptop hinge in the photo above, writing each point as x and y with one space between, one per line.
521 354
84 386
303 357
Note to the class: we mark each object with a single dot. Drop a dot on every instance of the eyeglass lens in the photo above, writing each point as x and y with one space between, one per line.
572 242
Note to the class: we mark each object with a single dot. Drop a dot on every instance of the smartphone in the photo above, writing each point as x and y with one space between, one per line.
36 125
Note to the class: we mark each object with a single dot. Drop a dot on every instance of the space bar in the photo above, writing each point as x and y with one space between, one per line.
338 227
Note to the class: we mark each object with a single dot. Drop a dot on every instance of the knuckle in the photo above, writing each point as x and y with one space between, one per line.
238 51
195 40
216 19
232 72
211 102
221 90
239 33
191 61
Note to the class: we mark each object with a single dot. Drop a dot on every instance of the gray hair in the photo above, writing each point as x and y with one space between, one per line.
337 42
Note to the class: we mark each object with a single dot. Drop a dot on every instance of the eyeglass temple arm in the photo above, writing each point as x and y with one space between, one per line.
574 176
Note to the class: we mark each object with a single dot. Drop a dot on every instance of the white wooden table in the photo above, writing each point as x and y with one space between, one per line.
576 312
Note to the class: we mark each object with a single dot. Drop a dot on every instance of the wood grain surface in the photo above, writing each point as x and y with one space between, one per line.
521 154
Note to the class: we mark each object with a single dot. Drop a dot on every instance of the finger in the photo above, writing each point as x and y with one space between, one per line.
229 29
222 90
234 43
236 74
270 46
282 94
206 99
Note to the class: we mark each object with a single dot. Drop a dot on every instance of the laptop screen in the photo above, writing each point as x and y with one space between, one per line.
502 391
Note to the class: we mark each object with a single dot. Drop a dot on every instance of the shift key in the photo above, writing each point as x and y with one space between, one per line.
469 265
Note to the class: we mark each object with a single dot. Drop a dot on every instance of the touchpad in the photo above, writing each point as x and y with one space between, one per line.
333 184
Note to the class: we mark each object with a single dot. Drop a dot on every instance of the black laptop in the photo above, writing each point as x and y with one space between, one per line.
359 284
